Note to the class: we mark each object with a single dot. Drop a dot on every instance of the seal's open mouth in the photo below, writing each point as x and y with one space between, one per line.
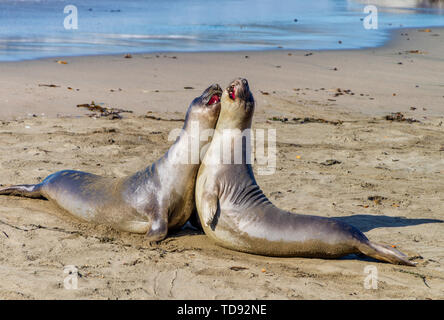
232 92
212 95
215 98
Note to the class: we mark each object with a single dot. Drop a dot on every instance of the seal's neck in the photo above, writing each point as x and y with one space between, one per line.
233 118
231 143
185 152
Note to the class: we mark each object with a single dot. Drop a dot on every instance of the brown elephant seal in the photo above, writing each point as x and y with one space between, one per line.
151 201
236 214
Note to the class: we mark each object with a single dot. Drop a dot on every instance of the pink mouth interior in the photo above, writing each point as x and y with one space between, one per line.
233 94
214 99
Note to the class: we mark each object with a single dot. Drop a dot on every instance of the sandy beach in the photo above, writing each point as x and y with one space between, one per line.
387 179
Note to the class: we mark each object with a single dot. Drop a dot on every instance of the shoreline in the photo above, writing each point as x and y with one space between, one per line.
393 36
381 80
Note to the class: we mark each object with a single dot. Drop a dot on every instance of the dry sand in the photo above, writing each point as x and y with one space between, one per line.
399 162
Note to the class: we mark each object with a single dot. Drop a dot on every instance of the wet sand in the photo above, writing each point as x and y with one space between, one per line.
387 180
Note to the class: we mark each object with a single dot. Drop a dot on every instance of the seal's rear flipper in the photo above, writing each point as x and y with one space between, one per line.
385 253
23 190
211 210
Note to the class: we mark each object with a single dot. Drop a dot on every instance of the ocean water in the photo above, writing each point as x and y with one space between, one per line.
32 29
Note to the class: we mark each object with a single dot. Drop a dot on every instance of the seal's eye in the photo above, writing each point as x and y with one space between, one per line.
214 99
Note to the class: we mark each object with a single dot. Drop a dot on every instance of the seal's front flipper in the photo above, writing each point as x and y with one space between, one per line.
210 206
134 226
159 227
23 190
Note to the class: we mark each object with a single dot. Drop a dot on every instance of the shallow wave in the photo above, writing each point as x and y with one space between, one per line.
144 36
29 29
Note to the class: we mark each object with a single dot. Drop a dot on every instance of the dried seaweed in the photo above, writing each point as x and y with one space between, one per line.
305 120
99 111
399 117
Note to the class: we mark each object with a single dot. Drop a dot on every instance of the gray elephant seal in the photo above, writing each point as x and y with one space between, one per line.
151 201
236 214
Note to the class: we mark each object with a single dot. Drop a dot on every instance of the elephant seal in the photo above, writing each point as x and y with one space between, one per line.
151 201
236 214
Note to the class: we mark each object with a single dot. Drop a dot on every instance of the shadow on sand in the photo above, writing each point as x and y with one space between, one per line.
367 222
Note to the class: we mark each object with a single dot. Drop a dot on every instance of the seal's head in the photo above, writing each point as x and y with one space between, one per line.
237 104
205 108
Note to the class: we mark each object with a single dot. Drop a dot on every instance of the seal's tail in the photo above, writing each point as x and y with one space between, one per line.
23 190
384 253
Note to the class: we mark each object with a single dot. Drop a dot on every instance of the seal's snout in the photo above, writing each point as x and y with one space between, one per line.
217 87
238 88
